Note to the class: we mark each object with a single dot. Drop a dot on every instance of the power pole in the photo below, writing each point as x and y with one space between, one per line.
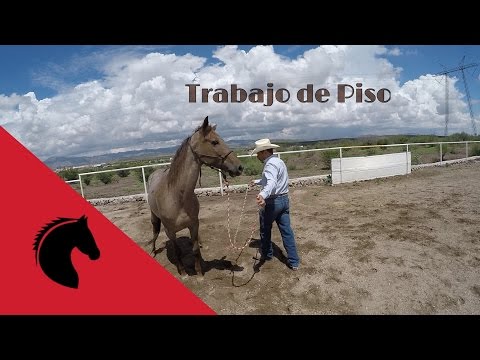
461 68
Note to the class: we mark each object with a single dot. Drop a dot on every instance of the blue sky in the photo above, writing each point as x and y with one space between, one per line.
135 96
33 68
23 66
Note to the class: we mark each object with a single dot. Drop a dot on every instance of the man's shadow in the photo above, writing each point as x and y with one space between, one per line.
188 259
277 253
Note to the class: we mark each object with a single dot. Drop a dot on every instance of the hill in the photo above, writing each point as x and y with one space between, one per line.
57 162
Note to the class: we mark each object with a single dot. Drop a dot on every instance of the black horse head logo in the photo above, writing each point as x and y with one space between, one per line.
53 246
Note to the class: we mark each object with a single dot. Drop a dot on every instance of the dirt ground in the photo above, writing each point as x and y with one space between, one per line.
400 245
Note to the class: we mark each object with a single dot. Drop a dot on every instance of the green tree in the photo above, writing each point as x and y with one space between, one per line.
87 179
68 174
105 177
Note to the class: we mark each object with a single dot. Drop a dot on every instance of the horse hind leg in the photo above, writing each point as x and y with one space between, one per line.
156 224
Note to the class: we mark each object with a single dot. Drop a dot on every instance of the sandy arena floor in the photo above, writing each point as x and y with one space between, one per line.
401 245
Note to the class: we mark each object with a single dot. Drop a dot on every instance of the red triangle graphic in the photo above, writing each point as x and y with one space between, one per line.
124 280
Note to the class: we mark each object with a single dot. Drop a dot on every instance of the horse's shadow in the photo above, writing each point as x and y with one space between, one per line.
188 258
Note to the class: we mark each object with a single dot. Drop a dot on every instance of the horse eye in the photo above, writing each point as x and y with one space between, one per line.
214 142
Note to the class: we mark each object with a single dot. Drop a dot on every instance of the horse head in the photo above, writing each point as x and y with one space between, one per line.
85 241
53 246
212 150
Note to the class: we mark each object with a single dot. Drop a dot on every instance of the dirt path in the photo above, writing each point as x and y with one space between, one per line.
402 245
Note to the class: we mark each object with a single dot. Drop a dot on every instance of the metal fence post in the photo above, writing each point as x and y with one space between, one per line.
144 184
441 154
341 180
406 154
221 182
466 149
81 187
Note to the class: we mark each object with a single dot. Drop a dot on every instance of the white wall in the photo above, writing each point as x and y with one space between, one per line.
370 167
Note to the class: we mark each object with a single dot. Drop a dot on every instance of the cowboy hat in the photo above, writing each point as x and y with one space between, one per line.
263 144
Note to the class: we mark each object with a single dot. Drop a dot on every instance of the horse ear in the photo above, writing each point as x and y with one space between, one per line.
214 127
205 128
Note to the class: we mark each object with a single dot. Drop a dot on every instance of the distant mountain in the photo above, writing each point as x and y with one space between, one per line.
57 162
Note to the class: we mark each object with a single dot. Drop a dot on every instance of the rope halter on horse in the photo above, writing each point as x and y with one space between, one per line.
199 156
199 159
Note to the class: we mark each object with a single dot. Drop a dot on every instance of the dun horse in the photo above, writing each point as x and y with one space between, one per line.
171 195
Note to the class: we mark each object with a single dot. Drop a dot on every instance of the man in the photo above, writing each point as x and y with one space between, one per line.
273 198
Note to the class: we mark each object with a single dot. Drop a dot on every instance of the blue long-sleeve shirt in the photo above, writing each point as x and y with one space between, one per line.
274 179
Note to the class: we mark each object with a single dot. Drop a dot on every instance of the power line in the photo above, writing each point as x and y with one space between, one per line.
461 68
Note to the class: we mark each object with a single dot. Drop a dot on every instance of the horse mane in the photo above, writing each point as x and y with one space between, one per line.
178 159
45 229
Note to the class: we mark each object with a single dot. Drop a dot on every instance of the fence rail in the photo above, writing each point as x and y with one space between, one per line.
279 154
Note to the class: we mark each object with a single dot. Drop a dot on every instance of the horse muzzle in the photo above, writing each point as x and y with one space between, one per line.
236 172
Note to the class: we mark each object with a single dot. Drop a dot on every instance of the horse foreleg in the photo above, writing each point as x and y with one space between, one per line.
156 224
196 247
176 251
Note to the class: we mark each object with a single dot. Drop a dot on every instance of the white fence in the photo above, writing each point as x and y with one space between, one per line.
357 168
339 148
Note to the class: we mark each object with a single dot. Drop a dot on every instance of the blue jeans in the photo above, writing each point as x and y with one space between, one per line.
277 210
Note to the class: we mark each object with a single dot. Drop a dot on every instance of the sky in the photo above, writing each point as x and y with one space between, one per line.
76 100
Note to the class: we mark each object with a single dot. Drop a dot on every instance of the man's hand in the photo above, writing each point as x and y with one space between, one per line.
260 200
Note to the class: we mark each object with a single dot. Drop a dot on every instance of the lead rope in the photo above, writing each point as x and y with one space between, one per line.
233 242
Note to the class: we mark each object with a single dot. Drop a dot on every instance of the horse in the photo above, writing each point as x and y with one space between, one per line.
170 191
53 246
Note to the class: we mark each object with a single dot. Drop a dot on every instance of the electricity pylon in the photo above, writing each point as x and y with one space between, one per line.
461 68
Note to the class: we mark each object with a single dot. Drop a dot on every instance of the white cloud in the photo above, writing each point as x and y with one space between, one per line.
395 52
141 101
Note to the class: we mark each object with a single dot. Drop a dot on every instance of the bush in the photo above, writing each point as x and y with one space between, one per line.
382 142
123 173
463 136
415 159
251 166
148 172
445 150
68 174
474 150
105 178
327 157
87 179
